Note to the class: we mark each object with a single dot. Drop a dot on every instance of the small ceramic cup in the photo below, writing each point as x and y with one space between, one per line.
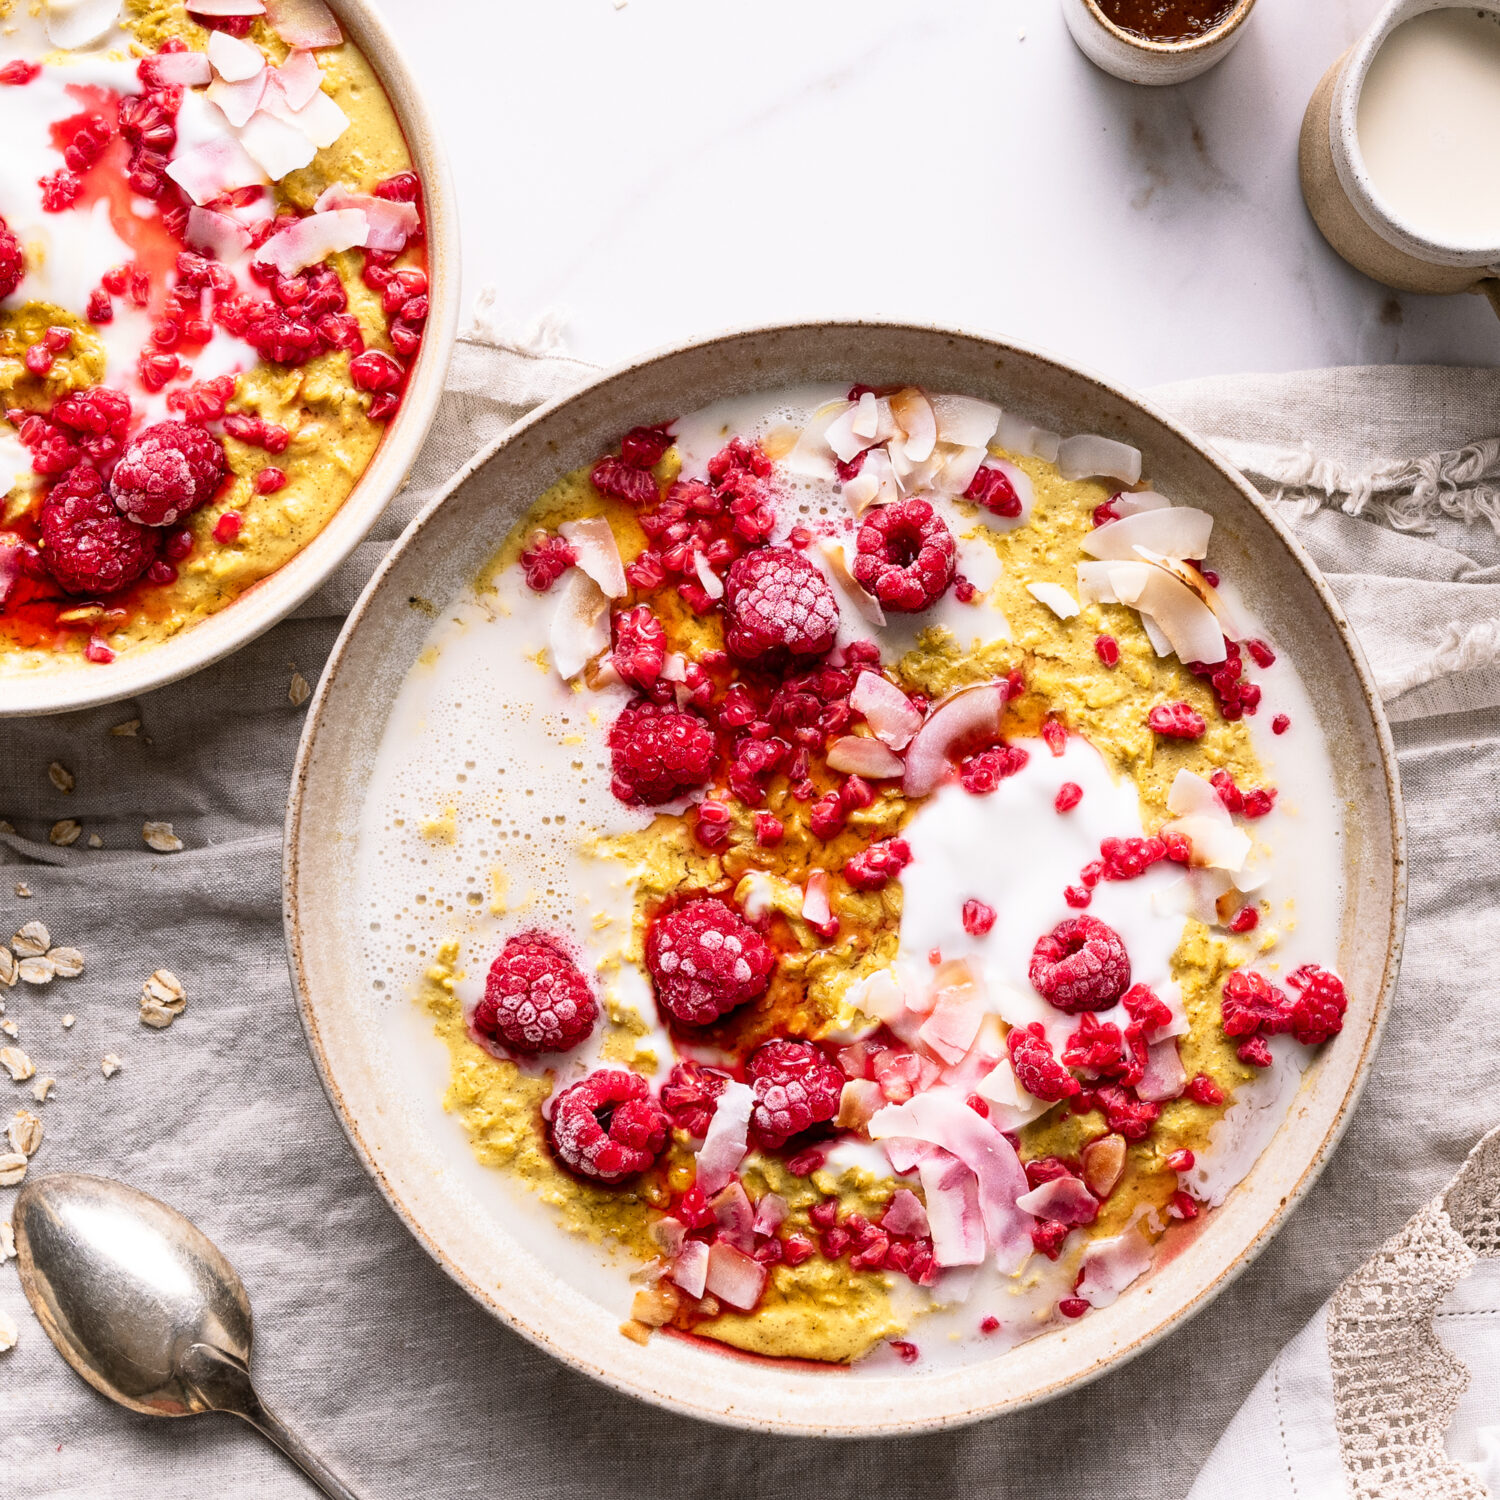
1137 60
1365 231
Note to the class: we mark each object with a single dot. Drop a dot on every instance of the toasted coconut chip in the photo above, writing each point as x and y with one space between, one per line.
1179 531
216 167
303 23
1003 1090
815 907
811 454
1013 434
863 755
1104 1164
891 715
875 484
1089 456
1046 445
1133 502
1217 845
964 421
1109 1266
1165 1077
957 467
866 423
1179 614
971 712
1192 794
580 624
313 239
953 1023
598 553
860 1100
904 1214
838 564
918 423
842 438
75 24
1159 643
1055 597
1196 895
216 234
1234 625
181 69
234 60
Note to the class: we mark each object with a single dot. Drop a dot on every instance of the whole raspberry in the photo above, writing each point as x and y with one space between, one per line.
877 866
536 998
991 488
1176 721
1318 1011
1250 1003
795 1088
88 546
640 647
705 960
169 470
777 601
1080 965
12 262
1036 1069
659 753
690 1094
905 555
608 1126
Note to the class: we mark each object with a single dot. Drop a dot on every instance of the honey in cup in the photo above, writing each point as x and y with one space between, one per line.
1168 20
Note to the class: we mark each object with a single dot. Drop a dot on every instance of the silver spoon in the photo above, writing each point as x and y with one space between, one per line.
142 1304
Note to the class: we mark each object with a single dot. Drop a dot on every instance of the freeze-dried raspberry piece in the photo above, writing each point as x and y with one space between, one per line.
690 1094
1255 1050
905 555
608 1127
983 772
1318 1011
795 1088
1124 1113
1250 1003
536 998
1146 1008
1047 1236
613 476
705 960
1080 965
1203 1090
545 559
12 261
640 650
1125 859
170 469
991 488
1107 649
776 601
88 546
978 917
1176 721
659 753
875 867
1036 1069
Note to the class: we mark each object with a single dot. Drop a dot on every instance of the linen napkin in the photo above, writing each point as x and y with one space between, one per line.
1390 477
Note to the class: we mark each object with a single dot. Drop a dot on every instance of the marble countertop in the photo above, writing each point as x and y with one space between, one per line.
669 167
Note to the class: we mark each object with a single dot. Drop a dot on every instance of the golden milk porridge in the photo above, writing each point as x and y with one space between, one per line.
831 844
212 285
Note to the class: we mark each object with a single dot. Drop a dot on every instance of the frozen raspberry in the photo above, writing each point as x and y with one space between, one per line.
795 1088
1250 1003
608 1127
982 773
978 917
991 488
659 753
877 866
640 647
1203 1090
613 476
705 960
690 1094
169 470
1176 721
1036 1069
1124 1113
12 262
905 556
1256 1051
1318 1011
776 601
89 547
545 559
1080 965
536 998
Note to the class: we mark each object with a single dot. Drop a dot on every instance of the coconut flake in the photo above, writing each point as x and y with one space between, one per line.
905 1215
1231 622
298 78
303 23
1065 1199
858 1101
733 1277
875 484
598 554
770 1213
182 70
216 234
863 601
75 24
965 422
815 907
1177 532
234 60
1191 793
712 584
863 755
918 423
226 8
1133 502
320 120
239 101
841 437
1165 1077
724 1143
1089 456
278 147
811 455
1096 583
580 624
734 1215
1108 1266
1003 1090
690 1269
866 421
953 1213
670 1235
891 715
878 996
216 167
314 239
1183 618
1055 597
958 467
969 712
391 224
1217 845
950 1030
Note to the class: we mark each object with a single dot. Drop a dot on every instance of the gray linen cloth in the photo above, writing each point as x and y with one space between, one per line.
1391 477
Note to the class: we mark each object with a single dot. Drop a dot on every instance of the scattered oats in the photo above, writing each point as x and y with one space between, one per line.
161 838
9 1027
9 1333
16 1063
68 1022
24 1132
22 889
299 692
1021 35
110 1065
64 833
7 968
32 940
95 842
61 777
67 963
42 1087
166 988
12 1168
128 730
36 970
7 1242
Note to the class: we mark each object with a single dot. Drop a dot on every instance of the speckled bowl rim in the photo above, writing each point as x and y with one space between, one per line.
270 600
756 1395
1226 28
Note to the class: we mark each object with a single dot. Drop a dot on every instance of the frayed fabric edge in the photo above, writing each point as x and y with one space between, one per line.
1462 649
539 336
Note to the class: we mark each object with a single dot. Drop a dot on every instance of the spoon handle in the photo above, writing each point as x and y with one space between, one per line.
224 1384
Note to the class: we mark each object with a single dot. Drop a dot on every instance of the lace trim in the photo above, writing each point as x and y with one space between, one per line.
1395 1387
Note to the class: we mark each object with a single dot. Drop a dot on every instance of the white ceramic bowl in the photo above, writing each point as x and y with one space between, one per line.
275 597
1137 59
385 1072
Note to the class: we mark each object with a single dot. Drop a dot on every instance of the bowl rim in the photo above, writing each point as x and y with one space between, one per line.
792 1425
265 603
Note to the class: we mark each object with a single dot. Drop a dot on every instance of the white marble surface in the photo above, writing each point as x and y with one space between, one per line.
676 166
